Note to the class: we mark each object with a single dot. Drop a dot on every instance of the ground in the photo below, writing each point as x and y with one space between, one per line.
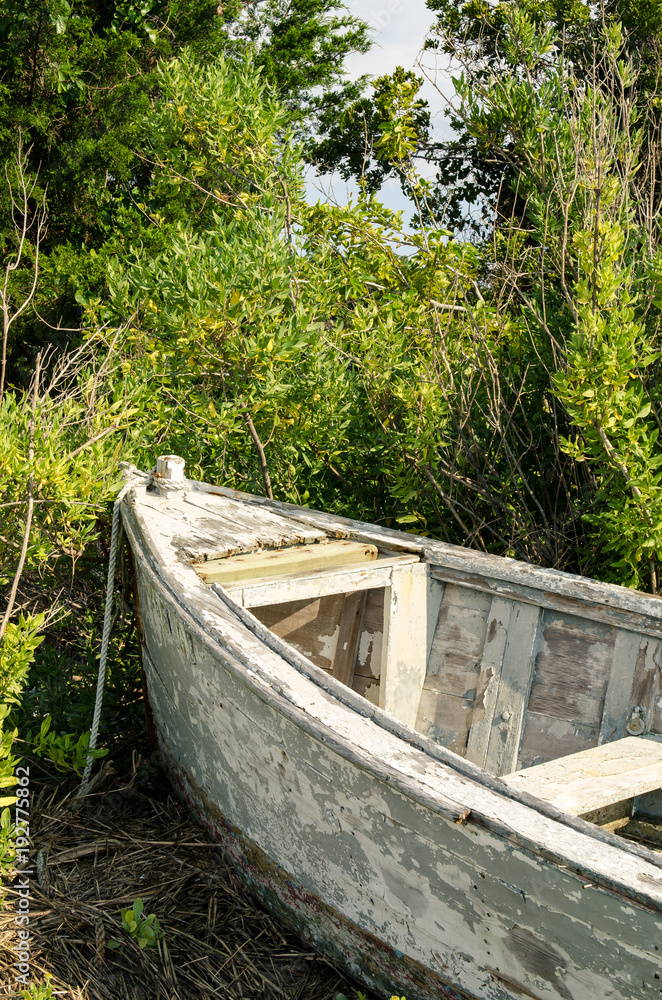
129 839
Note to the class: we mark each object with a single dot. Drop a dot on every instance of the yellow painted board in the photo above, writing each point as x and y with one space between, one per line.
282 562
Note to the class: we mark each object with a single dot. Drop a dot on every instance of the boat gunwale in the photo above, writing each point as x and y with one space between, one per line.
591 594
415 790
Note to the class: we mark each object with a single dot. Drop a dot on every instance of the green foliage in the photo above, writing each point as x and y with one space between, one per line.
376 136
476 168
227 323
76 80
61 682
44 991
7 827
16 654
144 930
301 46
215 135
67 752
585 280
72 472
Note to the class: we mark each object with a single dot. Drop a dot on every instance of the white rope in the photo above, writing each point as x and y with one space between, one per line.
134 475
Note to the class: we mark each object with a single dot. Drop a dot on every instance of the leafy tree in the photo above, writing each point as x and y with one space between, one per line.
475 179
577 273
372 138
75 78
301 46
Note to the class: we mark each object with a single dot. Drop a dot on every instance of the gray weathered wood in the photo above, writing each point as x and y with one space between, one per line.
573 665
646 683
500 755
368 664
617 698
587 599
483 716
348 636
546 738
649 806
199 535
449 690
434 602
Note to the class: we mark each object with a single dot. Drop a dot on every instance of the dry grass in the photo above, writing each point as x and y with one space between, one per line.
131 838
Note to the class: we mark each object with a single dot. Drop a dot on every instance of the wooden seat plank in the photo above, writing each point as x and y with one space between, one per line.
593 779
274 563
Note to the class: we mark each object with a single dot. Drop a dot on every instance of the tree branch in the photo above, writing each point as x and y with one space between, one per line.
264 468
28 518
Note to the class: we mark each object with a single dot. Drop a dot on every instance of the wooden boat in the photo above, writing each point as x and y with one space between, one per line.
434 763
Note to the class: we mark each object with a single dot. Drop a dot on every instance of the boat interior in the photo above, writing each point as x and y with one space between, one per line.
543 690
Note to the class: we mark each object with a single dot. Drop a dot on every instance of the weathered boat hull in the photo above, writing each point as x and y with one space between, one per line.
412 868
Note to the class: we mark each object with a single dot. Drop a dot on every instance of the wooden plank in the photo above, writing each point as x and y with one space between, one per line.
458 640
513 691
404 650
648 834
646 683
572 670
364 576
367 687
482 718
546 738
595 778
311 626
600 602
656 725
369 652
444 718
345 658
281 562
617 696
612 817
435 599
649 806
212 527
449 689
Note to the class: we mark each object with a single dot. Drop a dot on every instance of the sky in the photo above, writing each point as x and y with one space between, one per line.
398 29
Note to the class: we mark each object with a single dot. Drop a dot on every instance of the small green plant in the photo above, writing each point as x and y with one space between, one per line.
43 991
144 930
65 751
